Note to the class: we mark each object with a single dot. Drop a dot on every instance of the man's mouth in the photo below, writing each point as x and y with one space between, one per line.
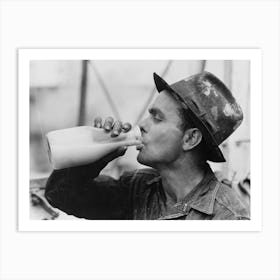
140 147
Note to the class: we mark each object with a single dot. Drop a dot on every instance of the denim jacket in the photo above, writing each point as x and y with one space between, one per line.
139 195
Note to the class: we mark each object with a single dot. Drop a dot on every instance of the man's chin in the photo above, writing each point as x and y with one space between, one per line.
141 159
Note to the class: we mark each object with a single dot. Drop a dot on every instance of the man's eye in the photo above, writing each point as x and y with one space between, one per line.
156 118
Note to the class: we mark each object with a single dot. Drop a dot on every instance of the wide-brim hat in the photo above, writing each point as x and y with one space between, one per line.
211 107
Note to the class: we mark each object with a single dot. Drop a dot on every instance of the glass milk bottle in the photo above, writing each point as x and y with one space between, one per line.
82 145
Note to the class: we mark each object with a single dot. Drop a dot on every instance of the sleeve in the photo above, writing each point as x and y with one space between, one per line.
82 192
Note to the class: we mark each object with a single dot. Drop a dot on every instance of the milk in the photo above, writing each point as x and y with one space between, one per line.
82 145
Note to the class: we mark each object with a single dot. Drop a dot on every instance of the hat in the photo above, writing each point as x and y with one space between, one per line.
211 107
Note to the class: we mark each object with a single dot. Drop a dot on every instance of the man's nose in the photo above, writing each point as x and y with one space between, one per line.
143 126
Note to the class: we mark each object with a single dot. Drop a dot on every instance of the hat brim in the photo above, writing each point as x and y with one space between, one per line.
214 153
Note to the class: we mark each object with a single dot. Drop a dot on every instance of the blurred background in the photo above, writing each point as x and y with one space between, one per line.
66 93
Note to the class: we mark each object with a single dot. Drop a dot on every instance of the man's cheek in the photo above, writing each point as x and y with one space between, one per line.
164 140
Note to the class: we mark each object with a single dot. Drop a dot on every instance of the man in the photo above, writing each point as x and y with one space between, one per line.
186 124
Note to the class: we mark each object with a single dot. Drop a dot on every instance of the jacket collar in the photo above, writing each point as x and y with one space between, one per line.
204 194
205 203
202 197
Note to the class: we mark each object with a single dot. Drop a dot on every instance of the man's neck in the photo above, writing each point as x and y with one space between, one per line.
178 181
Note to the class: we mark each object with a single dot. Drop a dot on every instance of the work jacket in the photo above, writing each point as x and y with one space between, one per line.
139 195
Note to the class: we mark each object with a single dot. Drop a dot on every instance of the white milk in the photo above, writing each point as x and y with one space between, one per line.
85 144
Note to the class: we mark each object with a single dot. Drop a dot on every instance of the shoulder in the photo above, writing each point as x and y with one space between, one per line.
229 205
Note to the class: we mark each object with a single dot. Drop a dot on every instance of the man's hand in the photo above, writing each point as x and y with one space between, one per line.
115 128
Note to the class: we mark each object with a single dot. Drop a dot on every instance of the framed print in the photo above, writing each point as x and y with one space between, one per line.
67 67
66 91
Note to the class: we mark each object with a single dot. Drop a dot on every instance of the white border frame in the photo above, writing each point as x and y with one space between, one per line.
24 58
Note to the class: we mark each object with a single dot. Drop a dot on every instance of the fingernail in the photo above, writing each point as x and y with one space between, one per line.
126 127
115 133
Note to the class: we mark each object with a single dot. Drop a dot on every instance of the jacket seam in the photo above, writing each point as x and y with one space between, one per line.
217 187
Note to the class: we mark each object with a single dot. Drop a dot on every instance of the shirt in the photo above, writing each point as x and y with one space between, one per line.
139 195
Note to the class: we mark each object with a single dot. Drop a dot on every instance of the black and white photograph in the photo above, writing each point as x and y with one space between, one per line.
139 139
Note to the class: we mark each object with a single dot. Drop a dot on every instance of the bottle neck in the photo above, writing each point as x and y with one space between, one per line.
134 133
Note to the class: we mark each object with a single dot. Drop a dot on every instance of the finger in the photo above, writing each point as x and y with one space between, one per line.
108 124
126 127
97 122
117 129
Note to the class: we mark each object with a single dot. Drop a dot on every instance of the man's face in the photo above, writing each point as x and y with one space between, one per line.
162 137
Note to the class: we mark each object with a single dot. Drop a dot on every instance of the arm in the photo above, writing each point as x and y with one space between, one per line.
79 191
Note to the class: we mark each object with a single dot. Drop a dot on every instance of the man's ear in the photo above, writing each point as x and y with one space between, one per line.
191 138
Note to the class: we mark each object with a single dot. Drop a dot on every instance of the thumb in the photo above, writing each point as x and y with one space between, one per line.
122 151
130 142
116 153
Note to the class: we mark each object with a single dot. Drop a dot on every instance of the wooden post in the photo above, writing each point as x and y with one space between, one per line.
225 145
202 65
83 91
150 98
